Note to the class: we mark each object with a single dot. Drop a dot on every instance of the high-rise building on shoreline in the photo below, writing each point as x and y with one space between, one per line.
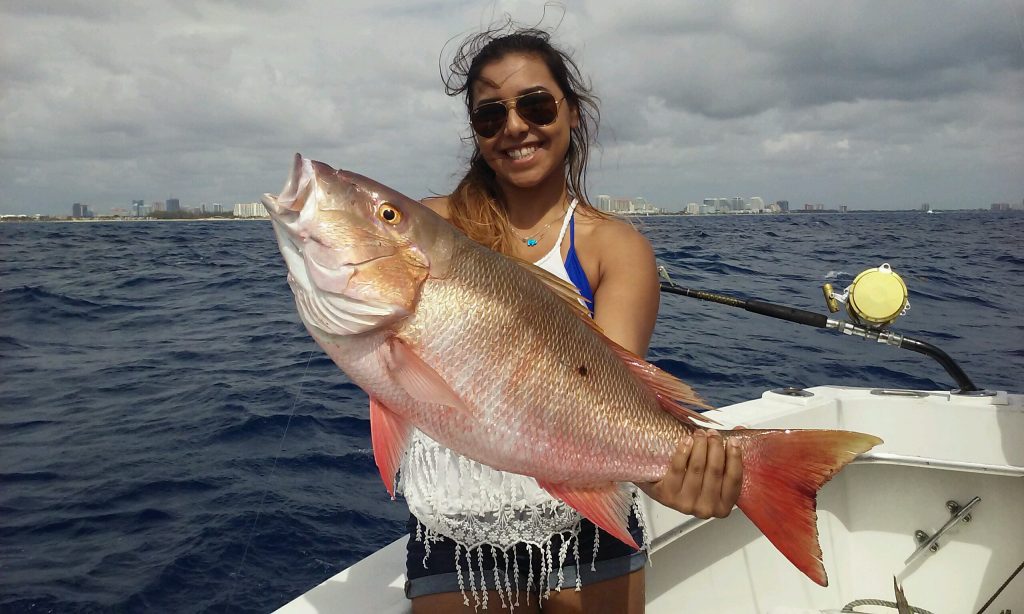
622 205
735 204
78 210
249 210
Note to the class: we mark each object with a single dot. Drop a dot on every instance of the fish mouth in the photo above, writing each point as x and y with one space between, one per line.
318 273
296 190
285 209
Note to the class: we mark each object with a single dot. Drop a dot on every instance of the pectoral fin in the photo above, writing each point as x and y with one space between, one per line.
389 433
606 506
418 378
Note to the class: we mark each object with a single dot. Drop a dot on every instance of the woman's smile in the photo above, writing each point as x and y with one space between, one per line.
523 153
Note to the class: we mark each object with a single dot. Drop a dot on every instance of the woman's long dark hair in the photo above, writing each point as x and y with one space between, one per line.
476 206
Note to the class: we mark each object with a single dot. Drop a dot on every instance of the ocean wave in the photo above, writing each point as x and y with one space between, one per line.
150 372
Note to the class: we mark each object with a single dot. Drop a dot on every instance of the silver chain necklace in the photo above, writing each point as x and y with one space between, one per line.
532 240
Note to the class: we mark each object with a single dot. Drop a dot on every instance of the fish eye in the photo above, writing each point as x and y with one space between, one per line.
389 213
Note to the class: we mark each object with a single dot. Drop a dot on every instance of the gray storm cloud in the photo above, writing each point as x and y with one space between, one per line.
868 104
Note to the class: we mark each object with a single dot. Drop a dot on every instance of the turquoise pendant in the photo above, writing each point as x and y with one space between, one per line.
531 242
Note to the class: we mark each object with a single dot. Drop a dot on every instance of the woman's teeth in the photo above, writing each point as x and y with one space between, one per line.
522 152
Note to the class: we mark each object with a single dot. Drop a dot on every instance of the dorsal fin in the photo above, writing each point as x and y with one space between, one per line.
671 392
562 289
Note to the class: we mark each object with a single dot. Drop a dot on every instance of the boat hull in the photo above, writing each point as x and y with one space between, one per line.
938 447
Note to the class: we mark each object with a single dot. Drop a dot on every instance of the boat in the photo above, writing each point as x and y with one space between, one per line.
932 514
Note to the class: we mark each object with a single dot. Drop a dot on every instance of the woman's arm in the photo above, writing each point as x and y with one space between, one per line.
705 476
627 292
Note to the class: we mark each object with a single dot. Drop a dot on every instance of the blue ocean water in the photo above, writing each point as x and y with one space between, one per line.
172 440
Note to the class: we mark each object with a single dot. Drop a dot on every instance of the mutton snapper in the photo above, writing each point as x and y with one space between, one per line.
497 360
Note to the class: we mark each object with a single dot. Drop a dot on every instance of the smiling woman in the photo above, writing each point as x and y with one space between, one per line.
496 533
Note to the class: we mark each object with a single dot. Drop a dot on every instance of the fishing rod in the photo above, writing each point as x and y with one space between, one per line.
873 307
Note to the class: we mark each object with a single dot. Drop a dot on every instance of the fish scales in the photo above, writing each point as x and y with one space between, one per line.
516 359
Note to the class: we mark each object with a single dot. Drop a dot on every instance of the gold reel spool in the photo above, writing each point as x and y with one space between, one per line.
877 297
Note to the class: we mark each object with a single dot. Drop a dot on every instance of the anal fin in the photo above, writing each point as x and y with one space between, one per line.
606 505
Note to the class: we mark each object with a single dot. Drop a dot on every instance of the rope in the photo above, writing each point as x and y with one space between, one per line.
848 608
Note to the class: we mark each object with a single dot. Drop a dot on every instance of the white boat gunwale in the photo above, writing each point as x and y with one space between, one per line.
935 441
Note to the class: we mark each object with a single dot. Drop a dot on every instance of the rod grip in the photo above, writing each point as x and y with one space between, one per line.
792 314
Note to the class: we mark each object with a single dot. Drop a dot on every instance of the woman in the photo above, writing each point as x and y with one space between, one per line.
483 535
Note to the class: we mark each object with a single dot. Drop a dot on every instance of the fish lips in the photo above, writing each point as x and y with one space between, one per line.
295 191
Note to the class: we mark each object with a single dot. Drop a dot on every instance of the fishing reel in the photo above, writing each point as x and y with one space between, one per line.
874 300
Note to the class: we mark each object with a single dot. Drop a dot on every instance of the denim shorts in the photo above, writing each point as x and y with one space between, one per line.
440 575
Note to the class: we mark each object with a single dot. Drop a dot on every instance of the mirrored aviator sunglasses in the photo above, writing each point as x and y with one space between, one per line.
538 108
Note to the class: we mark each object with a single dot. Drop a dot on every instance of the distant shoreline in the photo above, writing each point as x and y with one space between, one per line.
820 211
31 219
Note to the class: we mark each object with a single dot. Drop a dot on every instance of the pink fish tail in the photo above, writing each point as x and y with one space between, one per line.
782 473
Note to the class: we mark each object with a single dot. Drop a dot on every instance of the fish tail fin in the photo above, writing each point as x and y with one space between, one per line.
782 473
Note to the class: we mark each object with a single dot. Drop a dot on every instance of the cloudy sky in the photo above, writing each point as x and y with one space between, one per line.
872 104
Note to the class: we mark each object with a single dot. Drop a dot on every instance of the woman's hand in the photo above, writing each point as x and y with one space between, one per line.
704 478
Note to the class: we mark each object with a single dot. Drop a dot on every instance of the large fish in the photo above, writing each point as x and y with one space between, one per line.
497 360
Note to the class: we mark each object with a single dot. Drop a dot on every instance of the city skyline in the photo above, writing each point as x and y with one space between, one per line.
603 202
868 105
618 205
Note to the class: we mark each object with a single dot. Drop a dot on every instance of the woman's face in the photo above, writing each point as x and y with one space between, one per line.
522 154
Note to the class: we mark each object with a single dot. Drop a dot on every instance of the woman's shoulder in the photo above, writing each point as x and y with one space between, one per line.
438 204
613 235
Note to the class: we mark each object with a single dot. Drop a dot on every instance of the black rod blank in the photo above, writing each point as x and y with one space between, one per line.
791 314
